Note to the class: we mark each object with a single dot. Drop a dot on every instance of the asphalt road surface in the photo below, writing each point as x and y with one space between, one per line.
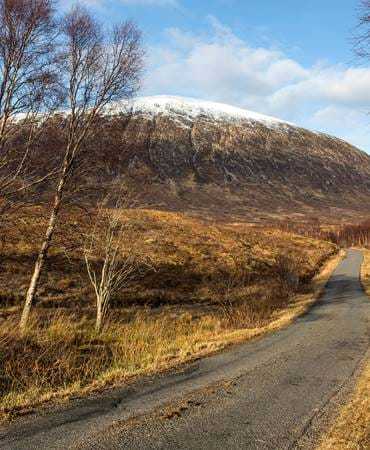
272 393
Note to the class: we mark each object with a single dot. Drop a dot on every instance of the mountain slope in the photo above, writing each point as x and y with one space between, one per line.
217 160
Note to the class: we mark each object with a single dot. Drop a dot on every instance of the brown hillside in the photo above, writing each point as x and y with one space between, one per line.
235 168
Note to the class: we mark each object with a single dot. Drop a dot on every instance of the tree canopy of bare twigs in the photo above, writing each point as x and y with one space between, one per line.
28 85
362 34
109 265
29 92
97 66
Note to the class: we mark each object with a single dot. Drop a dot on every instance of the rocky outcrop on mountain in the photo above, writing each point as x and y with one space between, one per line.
221 161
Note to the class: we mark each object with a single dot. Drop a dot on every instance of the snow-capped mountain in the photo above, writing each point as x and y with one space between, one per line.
220 161
173 106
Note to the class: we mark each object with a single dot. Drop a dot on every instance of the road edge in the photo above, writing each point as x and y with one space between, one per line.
282 319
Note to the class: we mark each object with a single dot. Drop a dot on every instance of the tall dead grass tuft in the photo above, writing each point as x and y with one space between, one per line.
212 285
61 356
245 304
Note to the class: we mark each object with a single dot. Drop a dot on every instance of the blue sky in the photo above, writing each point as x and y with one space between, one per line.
286 58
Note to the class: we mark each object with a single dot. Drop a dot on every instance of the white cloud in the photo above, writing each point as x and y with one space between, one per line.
353 125
218 65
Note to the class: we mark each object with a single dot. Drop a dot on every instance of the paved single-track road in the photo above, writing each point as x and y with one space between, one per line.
271 393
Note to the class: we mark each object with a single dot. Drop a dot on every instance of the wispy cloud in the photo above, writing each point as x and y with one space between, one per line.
220 66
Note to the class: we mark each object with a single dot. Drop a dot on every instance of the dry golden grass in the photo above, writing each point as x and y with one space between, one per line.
61 357
351 429
192 260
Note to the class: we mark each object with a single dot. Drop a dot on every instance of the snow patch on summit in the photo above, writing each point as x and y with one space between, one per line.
191 108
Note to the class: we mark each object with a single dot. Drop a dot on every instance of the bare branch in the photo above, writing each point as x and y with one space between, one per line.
362 35
97 67
109 266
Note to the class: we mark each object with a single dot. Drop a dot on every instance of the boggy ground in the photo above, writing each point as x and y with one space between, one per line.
200 286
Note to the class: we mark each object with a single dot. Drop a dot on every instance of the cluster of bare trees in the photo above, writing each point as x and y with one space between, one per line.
353 235
346 235
71 64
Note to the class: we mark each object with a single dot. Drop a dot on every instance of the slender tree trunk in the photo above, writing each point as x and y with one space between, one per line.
39 265
99 317
2 130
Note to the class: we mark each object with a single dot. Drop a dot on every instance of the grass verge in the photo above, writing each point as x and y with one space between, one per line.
351 428
61 357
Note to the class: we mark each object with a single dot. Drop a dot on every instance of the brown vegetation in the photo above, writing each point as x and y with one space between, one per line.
210 285
191 259
346 235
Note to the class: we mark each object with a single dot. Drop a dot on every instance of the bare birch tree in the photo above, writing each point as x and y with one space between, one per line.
109 266
28 84
98 66
28 87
